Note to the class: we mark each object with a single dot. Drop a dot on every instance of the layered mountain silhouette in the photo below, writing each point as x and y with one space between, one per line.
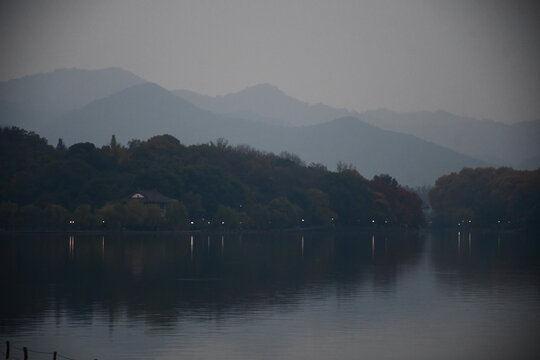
146 110
495 143
112 101
265 103
373 151
33 100
514 145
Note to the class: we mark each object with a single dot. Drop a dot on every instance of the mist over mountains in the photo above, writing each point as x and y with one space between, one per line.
490 141
91 105
265 103
501 144
34 100
146 110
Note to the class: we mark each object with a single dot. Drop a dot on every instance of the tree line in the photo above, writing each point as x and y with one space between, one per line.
487 197
216 185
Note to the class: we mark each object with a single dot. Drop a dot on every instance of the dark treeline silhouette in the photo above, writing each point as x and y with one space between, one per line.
216 185
487 197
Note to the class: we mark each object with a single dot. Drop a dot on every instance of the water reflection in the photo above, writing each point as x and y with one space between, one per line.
71 246
191 247
508 259
357 293
470 246
139 274
222 245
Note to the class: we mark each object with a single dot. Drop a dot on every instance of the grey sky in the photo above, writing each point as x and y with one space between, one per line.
474 58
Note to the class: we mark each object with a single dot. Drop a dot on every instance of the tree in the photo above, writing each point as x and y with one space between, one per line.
259 217
153 216
350 197
194 205
55 216
318 208
113 143
176 215
283 213
135 214
230 218
385 179
60 146
295 159
84 217
341 166
112 215
222 144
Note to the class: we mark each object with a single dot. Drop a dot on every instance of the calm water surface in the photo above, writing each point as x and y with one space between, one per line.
312 295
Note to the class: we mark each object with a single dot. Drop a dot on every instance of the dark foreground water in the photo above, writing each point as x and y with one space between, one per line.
316 295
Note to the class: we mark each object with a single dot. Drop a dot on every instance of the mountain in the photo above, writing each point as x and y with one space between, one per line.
12 114
144 110
493 142
91 105
501 144
373 151
36 99
40 102
265 103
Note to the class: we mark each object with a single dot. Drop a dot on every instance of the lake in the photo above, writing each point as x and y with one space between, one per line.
283 295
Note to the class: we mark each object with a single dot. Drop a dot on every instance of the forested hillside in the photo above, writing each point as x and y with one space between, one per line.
216 185
487 197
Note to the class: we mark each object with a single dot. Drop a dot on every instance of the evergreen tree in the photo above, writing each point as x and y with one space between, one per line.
60 146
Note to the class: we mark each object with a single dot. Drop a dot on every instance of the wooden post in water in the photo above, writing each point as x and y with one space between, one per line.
7 349
54 355
25 351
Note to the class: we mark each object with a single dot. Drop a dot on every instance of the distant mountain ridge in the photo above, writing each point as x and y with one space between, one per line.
145 110
42 97
493 142
88 107
265 103
373 151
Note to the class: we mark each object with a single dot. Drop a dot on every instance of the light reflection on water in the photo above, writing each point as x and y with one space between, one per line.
311 295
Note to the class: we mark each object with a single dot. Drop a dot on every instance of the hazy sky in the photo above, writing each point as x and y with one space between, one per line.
474 58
